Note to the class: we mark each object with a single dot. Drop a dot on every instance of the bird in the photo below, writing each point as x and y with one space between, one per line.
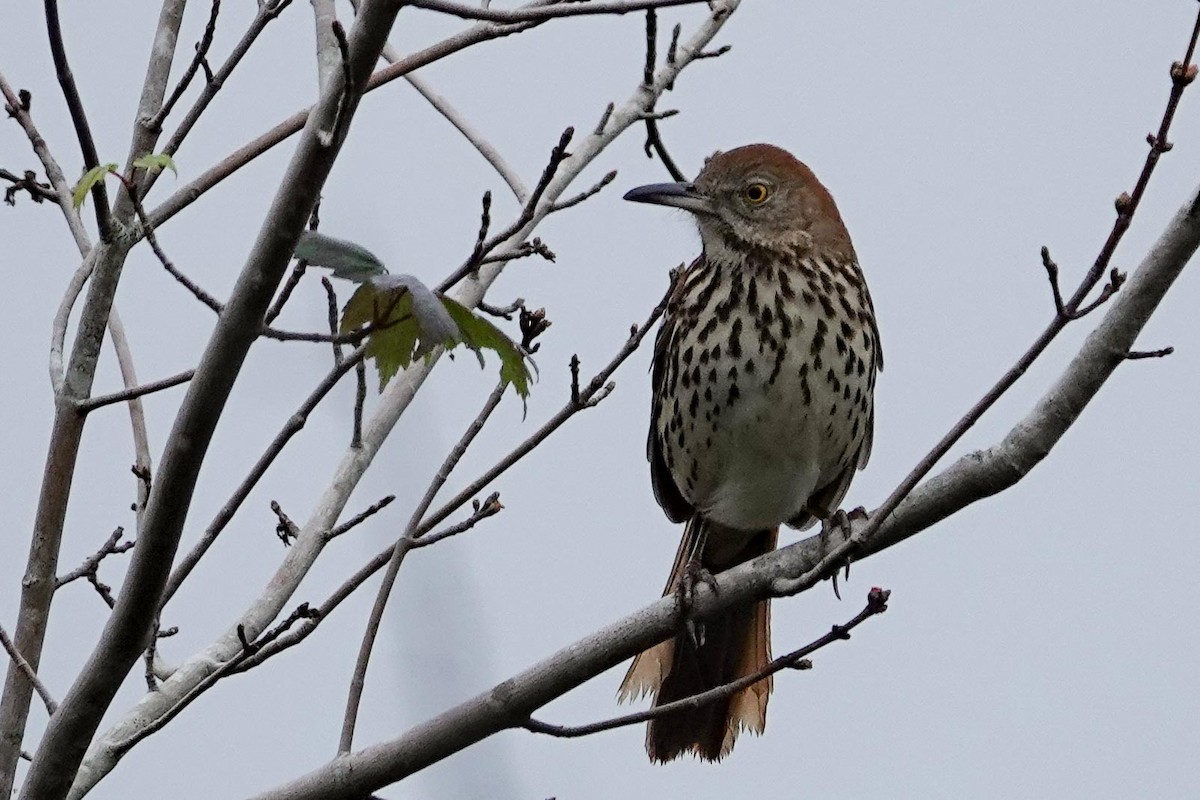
762 411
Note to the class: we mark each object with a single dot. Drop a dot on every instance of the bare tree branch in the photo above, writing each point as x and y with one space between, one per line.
198 59
20 663
1065 312
99 401
399 550
267 11
295 423
360 518
90 564
455 118
595 391
527 14
83 131
185 195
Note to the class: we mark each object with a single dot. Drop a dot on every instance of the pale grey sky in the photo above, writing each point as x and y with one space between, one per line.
1038 644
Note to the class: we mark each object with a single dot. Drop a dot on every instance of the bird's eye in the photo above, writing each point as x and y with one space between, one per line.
756 193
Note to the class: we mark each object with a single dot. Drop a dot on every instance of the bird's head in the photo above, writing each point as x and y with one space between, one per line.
758 195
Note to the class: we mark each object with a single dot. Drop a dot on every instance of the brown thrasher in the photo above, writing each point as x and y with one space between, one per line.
763 379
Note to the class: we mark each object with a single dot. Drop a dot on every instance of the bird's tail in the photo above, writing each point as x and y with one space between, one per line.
721 649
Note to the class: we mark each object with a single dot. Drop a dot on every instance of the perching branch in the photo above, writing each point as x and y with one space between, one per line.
877 600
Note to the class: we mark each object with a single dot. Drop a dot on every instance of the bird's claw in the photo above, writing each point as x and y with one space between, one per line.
841 522
694 574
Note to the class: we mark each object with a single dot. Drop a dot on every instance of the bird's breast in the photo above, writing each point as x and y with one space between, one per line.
768 387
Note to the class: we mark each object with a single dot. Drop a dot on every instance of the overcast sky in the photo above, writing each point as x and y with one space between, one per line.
1038 644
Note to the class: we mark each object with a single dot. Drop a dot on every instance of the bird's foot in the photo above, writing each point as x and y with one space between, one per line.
841 523
694 574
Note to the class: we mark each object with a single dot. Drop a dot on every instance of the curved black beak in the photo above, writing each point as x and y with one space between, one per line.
676 195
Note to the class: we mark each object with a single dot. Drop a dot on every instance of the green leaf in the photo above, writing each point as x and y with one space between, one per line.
479 334
90 179
409 321
394 343
347 259
156 162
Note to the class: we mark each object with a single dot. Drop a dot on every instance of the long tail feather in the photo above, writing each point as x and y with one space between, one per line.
732 645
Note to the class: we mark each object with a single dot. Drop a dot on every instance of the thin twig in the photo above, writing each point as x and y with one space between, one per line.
286 530
574 367
532 324
358 519
294 277
1115 279
331 311
360 401
285 292
83 131
481 511
293 426
604 118
533 247
198 60
185 195
151 654
1183 73
1052 275
267 11
585 397
399 550
528 211
92 563
28 182
216 306
1135 355
584 195
28 671
501 312
455 118
654 143
99 401
303 611
485 221
877 600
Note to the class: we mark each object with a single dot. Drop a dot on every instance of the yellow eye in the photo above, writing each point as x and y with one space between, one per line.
756 193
